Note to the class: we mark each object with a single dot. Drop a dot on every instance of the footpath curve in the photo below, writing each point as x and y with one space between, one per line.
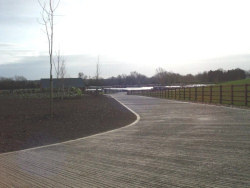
175 144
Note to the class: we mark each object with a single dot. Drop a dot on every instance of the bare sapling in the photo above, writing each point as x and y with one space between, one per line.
47 15
60 70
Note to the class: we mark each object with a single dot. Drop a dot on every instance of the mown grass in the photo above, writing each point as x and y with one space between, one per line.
236 82
228 94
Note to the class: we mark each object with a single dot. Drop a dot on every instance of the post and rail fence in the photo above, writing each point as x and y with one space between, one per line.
238 95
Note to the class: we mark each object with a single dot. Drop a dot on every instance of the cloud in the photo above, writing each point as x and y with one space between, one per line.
18 21
227 62
29 67
12 53
36 67
7 45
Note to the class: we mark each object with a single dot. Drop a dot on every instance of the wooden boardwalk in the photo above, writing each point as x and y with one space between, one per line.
174 144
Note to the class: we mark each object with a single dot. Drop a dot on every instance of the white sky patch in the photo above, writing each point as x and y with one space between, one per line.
178 35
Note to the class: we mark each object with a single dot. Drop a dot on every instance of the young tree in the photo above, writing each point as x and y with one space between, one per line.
59 65
82 76
20 78
248 74
60 70
161 76
48 13
97 70
97 80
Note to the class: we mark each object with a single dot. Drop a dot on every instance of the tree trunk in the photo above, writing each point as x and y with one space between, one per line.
51 93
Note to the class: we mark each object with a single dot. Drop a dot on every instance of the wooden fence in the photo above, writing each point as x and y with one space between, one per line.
238 95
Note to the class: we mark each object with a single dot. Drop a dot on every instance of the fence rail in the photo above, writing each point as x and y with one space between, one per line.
238 95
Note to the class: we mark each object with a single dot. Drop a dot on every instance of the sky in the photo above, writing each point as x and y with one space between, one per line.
182 36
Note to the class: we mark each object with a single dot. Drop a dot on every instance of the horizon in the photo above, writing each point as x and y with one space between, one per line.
102 78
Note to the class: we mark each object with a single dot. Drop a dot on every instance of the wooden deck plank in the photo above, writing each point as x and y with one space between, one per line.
174 144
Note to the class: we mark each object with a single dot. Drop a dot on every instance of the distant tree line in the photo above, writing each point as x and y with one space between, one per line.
163 77
17 82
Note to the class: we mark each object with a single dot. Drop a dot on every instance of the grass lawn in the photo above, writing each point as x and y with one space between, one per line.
236 82
25 122
225 93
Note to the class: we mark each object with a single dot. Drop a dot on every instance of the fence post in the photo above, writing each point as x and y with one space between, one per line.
220 94
179 93
168 93
175 93
184 89
211 94
246 94
232 94
202 94
189 90
195 94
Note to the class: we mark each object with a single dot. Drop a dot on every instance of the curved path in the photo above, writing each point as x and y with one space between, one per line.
175 144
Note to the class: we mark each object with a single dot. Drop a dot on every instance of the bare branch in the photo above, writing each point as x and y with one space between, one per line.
44 7
47 16
55 67
57 5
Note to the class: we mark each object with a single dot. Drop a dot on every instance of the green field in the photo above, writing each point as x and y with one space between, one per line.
235 93
237 82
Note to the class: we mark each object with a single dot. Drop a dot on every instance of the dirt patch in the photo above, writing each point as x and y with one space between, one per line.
25 123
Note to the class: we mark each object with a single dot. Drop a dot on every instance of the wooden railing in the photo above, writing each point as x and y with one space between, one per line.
238 95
